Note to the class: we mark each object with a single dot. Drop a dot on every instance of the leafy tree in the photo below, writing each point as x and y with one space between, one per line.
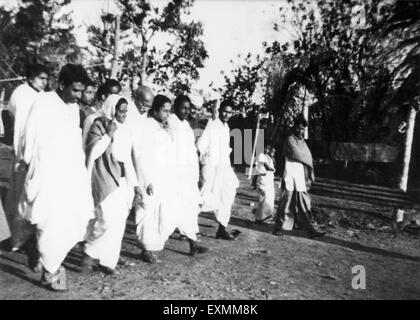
241 86
339 56
36 31
174 65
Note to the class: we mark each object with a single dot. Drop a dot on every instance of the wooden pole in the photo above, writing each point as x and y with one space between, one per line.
114 68
2 106
407 149
306 115
254 148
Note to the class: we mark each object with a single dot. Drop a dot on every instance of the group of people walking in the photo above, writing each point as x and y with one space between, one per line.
83 164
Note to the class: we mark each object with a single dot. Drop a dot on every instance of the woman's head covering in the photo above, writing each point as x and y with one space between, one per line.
110 104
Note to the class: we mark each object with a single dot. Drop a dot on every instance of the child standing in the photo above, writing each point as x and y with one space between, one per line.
265 184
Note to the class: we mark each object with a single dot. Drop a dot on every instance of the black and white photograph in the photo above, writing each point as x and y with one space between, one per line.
213 154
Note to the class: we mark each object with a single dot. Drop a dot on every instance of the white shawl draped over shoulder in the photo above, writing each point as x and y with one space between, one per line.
57 186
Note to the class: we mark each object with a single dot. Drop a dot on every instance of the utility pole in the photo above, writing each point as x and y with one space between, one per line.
407 149
114 68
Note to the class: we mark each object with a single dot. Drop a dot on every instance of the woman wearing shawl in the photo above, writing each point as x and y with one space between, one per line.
109 163
298 177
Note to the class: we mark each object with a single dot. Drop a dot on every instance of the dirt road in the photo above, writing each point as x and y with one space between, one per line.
257 265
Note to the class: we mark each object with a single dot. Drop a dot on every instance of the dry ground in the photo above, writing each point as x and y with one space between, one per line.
257 265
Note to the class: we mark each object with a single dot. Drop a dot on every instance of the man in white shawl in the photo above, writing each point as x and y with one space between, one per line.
57 196
295 202
186 174
219 180
154 164
108 157
19 105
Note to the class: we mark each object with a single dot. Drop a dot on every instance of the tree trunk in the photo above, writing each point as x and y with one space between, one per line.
407 149
114 68
144 61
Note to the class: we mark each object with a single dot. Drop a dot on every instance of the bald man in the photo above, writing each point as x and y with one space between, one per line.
143 99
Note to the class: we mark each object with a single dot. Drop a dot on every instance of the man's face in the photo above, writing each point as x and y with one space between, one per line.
121 113
143 102
39 82
88 96
300 131
114 90
225 114
193 111
184 110
72 93
271 151
163 113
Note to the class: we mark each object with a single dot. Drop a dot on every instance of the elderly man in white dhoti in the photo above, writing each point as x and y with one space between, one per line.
57 196
186 173
219 180
109 161
154 163
19 105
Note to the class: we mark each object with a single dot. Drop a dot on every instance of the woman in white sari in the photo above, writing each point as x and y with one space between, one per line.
108 160
155 165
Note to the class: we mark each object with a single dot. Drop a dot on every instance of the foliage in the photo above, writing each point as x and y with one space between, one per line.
241 86
349 55
172 66
36 31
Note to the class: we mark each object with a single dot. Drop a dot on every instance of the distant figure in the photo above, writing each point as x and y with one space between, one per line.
57 196
219 180
265 184
19 106
298 177
87 103
22 99
114 183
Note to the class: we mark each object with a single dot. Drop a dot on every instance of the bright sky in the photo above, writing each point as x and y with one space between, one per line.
230 28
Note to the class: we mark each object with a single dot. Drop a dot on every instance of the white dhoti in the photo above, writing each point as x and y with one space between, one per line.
155 165
186 175
188 205
219 190
114 212
56 196
154 224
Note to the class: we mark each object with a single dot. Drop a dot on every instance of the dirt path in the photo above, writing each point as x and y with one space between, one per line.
257 265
